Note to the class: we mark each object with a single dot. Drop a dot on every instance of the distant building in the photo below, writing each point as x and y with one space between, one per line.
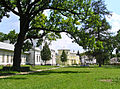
86 60
114 60
34 56
31 57
72 58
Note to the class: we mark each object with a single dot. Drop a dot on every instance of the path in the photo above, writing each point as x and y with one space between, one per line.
22 73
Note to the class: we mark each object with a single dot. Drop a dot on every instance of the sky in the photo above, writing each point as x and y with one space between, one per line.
113 6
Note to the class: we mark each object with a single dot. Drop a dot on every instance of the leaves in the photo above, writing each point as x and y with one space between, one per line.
46 53
63 56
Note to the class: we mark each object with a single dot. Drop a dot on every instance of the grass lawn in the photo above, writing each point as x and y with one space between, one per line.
107 77
37 67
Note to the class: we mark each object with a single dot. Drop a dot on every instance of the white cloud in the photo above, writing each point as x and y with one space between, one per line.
114 21
65 43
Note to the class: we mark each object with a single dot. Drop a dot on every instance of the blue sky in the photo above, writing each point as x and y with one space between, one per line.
12 22
113 5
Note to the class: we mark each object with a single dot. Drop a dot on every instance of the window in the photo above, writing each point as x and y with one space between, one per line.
11 58
3 60
7 58
37 58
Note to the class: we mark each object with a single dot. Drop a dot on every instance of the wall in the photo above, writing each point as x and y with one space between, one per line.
6 57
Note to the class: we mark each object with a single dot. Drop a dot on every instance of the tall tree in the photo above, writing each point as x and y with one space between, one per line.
45 53
63 57
95 33
63 16
117 43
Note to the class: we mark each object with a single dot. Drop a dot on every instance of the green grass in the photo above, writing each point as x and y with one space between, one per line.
66 78
37 67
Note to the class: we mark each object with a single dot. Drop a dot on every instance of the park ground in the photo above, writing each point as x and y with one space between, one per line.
74 77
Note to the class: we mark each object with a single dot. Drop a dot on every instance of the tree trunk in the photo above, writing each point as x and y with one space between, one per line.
45 62
17 52
103 62
100 63
24 25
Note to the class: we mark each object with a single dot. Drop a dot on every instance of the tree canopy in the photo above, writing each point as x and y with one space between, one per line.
75 17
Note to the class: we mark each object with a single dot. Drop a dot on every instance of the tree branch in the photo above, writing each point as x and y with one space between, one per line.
72 34
36 36
19 6
8 7
53 8
60 9
31 5
44 29
37 11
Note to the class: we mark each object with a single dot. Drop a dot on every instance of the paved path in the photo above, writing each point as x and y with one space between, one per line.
22 73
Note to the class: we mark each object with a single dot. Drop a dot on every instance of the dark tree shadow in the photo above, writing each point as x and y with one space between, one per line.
6 74
13 78
57 72
84 66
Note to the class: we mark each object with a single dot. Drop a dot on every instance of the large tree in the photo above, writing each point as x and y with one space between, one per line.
63 16
96 33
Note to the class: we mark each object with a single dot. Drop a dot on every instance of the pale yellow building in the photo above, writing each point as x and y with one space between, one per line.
72 58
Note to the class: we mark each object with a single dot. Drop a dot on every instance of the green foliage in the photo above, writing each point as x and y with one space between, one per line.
12 36
97 38
3 37
45 53
117 42
63 56
27 46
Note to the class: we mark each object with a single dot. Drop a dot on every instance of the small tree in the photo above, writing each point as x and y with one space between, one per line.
46 53
64 57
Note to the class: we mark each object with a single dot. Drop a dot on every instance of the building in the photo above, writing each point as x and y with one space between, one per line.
86 60
34 57
31 57
7 52
114 60
72 58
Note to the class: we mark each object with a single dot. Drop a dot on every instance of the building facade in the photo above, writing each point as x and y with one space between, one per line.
86 60
31 57
72 58
34 57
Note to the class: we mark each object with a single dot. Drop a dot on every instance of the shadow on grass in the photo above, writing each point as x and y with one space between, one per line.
82 67
13 78
112 66
57 72
5 74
